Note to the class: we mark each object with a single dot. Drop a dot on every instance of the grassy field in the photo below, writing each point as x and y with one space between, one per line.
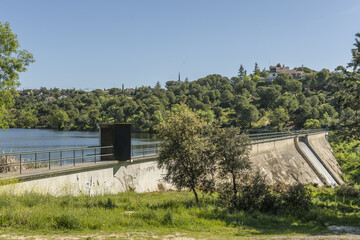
165 214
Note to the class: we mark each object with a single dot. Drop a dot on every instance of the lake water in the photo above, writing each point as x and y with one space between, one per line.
19 140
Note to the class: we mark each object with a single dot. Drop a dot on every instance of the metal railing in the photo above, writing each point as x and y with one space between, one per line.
141 149
20 161
271 135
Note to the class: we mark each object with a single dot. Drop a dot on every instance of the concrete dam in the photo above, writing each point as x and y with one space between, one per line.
305 158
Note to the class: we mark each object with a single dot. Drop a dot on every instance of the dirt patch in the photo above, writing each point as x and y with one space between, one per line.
175 236
307 237
128 235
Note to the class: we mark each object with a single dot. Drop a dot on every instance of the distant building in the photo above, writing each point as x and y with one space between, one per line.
275 71
49 99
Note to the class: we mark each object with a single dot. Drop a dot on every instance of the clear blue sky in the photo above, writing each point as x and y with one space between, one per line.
103 44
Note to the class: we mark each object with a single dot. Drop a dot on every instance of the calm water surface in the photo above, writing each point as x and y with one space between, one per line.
18 140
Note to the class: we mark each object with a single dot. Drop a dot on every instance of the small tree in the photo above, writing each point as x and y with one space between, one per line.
232 154
12 62
185 152
350 94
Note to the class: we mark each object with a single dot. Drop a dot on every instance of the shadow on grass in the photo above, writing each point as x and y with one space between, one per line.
255 223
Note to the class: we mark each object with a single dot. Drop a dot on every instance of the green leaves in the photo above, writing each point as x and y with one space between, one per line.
350 97
186 152
12 62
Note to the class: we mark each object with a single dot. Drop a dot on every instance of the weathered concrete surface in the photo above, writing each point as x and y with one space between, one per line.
321 146
138 177
317 163
281 162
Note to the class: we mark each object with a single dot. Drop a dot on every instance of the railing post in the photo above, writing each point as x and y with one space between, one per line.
61 162
49 161
35 160
6 164
74 157
20 164
82 155
95 154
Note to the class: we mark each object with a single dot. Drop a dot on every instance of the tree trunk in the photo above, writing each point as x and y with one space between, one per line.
234 190
196 196
234 184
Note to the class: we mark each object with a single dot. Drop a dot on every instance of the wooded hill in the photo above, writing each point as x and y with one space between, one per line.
246 100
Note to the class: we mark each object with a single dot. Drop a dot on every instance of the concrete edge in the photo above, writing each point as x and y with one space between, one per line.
254 142
318 174
339 182
61 172
284 138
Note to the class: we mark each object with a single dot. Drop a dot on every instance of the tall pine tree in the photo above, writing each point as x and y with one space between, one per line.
350 94
242 72
257 70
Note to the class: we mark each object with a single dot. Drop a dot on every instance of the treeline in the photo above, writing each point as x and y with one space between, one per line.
247 101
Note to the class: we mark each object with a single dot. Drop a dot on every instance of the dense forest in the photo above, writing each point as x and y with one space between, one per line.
248 101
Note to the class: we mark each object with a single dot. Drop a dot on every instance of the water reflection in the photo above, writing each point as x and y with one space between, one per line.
18 140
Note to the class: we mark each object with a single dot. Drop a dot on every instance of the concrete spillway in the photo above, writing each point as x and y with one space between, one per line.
321 146
317 164
281 162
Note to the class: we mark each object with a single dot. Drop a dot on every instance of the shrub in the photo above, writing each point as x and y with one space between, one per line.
253 195
168 218
257 195
348 154
297 199
109 204
312 124
66 221
348 191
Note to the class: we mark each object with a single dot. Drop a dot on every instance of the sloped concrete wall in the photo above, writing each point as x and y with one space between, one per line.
281 162
141 177
321 146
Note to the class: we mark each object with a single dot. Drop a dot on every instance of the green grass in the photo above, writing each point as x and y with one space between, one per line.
164 213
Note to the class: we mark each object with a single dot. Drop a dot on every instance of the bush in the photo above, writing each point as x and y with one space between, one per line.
312 124
297 200
348 154
109 204
348 191
254 195
66 221
168 218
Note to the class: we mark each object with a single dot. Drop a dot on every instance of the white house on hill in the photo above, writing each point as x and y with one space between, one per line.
274 71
